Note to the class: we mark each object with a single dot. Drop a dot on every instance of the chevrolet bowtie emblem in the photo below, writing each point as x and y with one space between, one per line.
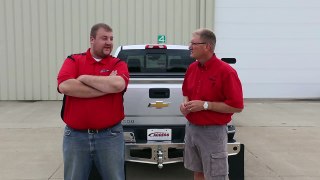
158 104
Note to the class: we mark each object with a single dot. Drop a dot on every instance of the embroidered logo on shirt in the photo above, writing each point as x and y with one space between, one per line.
212 79
104 70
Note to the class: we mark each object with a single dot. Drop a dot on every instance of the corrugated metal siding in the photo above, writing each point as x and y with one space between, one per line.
37 35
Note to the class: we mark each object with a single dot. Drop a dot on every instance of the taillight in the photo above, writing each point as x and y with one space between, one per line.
156 46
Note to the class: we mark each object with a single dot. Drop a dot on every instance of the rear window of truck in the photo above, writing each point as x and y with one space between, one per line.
156 62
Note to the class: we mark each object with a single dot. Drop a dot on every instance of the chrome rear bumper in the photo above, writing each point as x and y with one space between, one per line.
164 152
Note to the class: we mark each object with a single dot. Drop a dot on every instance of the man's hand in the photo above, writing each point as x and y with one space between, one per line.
75 88
194 106
220 107
183 109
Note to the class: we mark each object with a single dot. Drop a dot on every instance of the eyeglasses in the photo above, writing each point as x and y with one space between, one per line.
192 43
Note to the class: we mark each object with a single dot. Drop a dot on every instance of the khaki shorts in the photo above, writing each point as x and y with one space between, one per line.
206 151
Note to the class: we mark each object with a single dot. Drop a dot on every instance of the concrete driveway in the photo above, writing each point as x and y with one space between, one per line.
282 142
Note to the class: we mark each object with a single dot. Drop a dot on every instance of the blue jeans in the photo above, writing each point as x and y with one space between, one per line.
105 149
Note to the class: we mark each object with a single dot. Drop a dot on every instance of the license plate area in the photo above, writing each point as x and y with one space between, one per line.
159 134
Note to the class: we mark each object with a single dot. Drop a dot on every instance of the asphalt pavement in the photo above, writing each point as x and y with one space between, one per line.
281 137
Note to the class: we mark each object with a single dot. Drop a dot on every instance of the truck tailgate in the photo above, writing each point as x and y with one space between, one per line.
155 101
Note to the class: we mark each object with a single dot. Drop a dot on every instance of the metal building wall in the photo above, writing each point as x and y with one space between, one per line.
37 35
276 43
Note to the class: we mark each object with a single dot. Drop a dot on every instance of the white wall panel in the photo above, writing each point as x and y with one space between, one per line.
44 56
34 43
27 50
3 54
11 54
37 35
18 47
138 21
85 21
276 44
122 35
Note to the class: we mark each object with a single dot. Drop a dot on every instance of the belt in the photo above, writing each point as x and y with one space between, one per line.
94 131
89 131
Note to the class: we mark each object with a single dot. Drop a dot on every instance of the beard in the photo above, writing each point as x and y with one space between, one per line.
102 53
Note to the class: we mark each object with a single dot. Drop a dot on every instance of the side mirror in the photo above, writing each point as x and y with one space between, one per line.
229 60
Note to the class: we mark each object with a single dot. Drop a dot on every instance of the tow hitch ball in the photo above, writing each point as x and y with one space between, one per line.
160 158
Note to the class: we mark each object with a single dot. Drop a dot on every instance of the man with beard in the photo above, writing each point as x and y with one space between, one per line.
93 84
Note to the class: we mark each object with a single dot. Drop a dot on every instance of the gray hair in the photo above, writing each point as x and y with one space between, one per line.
207 36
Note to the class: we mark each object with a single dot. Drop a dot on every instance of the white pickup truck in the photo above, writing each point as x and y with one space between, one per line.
154 127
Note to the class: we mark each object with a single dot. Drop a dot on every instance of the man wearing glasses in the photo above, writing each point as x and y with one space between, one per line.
212 93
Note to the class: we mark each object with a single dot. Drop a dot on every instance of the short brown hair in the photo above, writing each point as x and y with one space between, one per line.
206 35
96 27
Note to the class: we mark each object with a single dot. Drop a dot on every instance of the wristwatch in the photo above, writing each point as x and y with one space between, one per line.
205 105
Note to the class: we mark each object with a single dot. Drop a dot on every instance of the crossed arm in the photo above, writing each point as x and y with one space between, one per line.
89 86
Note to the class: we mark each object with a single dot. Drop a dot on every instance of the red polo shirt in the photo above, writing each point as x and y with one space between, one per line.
92 113
215 81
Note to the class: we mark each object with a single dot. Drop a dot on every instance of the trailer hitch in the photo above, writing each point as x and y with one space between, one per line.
160 157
